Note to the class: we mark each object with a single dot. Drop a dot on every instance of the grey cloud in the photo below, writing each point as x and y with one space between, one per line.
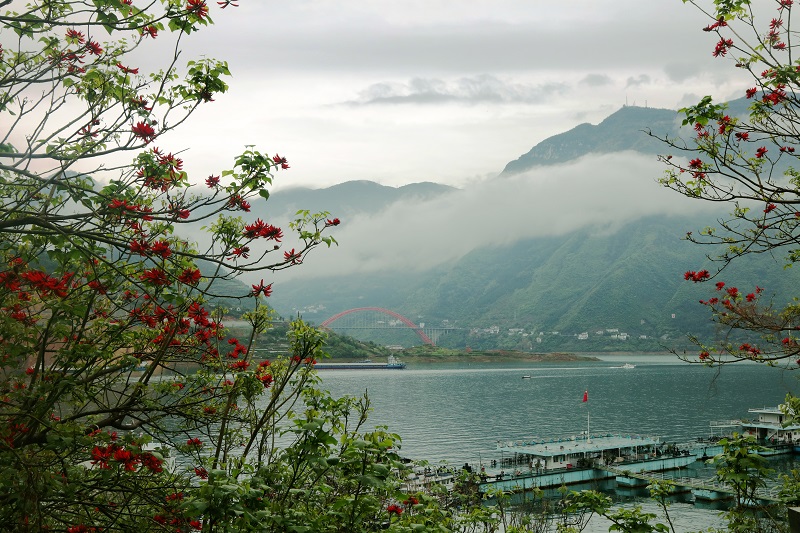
680 72
642 79
469 90
596 80
302 40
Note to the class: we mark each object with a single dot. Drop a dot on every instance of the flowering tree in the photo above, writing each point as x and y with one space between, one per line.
747 160
110 352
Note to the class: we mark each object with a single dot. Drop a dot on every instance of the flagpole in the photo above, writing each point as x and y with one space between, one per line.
586 401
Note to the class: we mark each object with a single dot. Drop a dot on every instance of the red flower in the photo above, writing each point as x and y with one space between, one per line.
722 47
241 251
266 379
150 31
127 70
201 472
770 207
760 152
750 297
190 276
720 285
151 462
294 257
140 247
396 509
161 248
751 92
697 276
704 355
155 276
144 131
266 290
238 201
198 8
281 161
789 149
334 222
239 365
94 48
212 181
195 442
742 136
75 36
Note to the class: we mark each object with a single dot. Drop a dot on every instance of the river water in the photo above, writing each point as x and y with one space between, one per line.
456 413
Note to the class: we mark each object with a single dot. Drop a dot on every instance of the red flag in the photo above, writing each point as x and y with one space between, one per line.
586 396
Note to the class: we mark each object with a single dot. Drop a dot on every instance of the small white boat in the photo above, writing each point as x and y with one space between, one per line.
526 376
628 365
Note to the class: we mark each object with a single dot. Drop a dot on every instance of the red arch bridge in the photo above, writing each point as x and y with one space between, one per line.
365 318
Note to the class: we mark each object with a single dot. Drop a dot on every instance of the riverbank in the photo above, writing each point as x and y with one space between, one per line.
433 354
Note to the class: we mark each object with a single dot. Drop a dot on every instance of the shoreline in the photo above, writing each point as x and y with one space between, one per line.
503 356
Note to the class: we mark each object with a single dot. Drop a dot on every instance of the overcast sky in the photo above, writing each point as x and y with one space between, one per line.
449 91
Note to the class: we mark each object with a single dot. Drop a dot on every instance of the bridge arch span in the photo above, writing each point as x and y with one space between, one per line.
401 318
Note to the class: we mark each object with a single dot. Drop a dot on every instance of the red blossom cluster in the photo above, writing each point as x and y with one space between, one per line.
190 276
127 70
102 456
239 366
238 348
293 257
259 228
144 131
696 277
159 171
394 509
155 276
752 351
237 202
264 375
266 290
281 161
198 8
722 47
720 22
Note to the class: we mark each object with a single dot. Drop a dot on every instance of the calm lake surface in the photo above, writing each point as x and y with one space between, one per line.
456 413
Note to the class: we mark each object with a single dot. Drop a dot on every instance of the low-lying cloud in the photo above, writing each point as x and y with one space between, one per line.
598 191
470 90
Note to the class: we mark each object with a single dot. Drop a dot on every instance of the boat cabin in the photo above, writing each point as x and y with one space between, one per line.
580 451
769 427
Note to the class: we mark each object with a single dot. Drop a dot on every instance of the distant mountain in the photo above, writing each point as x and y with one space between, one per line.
583 291
347 199
622 130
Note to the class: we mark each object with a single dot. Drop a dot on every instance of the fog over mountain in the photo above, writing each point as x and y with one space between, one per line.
602 191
